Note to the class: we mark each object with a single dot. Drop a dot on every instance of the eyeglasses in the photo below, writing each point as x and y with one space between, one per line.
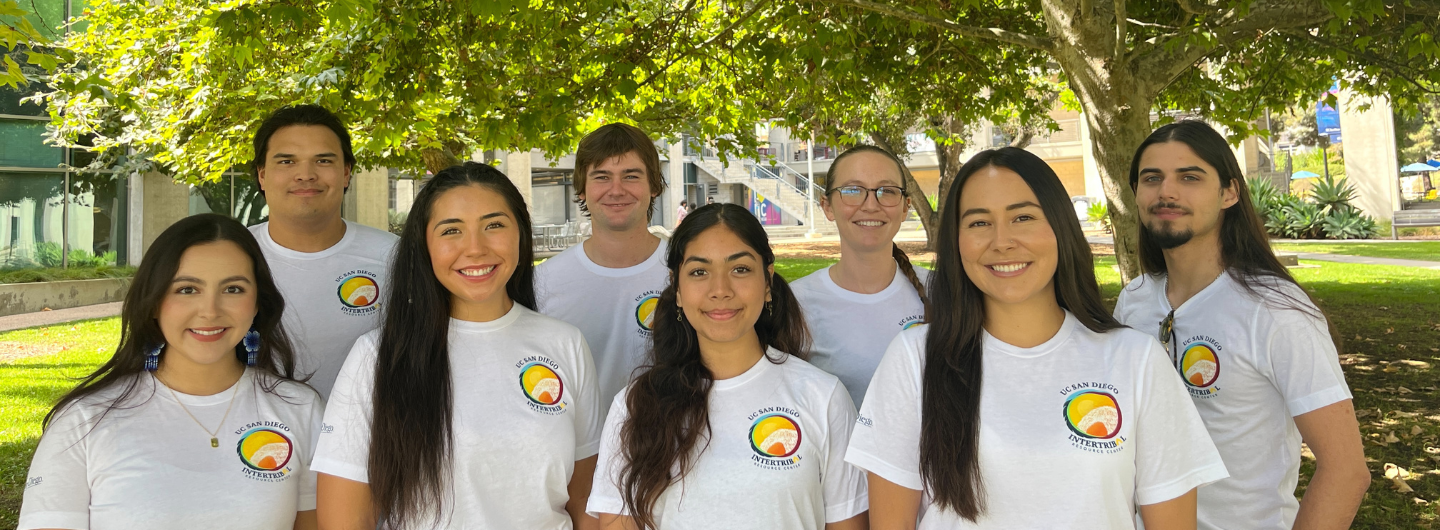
856 195
1167 337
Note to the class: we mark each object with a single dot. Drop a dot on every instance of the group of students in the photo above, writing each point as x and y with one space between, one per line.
635 383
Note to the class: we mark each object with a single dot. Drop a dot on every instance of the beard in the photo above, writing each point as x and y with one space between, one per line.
1162 234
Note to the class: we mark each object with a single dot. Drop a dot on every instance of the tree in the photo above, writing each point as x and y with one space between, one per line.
25 36
184 83
1227 60
1417 134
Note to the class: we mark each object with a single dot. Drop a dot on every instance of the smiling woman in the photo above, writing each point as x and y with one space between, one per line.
428 410
203 376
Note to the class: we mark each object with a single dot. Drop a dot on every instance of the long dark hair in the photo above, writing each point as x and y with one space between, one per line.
950 413
411 437
901 258
140 330
1244 244
668 401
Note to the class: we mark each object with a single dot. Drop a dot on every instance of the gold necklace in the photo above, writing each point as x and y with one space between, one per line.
214 435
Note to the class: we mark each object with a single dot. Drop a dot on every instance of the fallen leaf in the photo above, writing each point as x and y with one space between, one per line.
1393 471
1421 501
1389 330
1400 486
1306 453
1401 346
1414 364
1390 438
1416 430
1391 369
1404 390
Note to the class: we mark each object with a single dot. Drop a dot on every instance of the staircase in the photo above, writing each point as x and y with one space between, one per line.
778 191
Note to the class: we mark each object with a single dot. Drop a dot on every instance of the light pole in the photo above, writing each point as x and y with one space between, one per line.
810 187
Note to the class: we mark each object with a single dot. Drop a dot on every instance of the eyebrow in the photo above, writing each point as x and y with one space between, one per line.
732 257
193 279
456 220
1015 206
1188 169
289 155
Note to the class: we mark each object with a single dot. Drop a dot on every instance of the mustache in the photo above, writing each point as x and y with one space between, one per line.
1173 206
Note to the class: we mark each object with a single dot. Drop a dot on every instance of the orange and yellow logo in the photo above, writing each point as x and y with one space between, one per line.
265 449
1093 415
1200 366
359 291
541 384
645 311
775 436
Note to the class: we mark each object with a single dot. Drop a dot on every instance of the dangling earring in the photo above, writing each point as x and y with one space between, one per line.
252 346
152 358
769 307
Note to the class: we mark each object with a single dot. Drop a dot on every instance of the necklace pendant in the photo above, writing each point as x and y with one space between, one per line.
214 442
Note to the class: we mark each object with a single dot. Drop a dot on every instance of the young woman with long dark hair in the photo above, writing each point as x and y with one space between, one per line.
196 421
727 426
1023 404
856 306
467 409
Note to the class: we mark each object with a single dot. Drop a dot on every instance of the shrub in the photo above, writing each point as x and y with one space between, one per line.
1327 213
47 254
1349 223
1099 215
1330 194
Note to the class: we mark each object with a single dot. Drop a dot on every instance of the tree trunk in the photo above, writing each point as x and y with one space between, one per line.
437 159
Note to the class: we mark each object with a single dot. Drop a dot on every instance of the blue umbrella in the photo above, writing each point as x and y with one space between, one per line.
1416 168
1304 175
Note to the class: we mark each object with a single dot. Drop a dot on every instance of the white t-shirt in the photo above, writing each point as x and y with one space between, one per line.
851 330
612 307
524 411
774 458
1250 367
147 465
331 296
1125 434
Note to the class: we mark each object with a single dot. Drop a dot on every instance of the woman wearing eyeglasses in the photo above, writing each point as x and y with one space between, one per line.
856 306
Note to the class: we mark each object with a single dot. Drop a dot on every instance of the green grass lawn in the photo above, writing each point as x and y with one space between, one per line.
1421 250
1386 315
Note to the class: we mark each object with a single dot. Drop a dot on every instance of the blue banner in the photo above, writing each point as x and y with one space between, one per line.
766 211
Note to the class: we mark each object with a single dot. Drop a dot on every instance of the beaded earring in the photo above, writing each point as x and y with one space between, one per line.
252 346
152 358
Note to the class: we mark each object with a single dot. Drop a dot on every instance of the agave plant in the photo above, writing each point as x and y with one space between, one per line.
1348 223
1302 219
1099 215
1330 194
1265 196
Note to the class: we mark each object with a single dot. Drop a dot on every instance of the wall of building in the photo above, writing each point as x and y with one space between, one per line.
1370 163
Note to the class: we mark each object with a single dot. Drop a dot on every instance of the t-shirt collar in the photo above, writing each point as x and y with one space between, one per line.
994 345
761 367
465 326
897 283
656 258
219 398
1221 282
281 251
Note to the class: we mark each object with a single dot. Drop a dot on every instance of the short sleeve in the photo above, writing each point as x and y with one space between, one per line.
57 489
605 491
587 418
344 440
1304 364
843 484
308 478
1174 453
889 420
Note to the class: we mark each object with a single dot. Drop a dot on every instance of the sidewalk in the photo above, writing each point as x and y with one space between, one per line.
47 318
1364 260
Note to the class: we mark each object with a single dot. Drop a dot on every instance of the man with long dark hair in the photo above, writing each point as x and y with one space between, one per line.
608 285
331 271
1253 349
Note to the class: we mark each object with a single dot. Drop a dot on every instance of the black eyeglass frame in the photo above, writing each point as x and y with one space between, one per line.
876 191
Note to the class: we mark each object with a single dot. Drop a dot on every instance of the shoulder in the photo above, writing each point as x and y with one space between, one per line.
1143 283
538 324
259 230
367 235
809 284
808 379
1275 299
295 393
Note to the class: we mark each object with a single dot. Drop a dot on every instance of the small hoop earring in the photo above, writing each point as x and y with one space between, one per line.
252 346
152 358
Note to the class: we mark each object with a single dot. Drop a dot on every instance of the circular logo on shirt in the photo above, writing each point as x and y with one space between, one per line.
359 291
541 384
264 449
645 311
1199 365
1093 415
775 436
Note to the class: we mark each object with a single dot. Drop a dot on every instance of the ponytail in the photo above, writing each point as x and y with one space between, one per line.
908 270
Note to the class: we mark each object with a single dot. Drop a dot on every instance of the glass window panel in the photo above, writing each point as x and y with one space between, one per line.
31 220
10 99
22 144
46 15
97 219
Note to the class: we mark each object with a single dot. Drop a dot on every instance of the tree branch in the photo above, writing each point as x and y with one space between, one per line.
707 42
1400 70
1167 59
1044 44
1120 29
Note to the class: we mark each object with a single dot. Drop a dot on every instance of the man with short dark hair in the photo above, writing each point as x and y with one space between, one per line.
1252 348
331 271
608 285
